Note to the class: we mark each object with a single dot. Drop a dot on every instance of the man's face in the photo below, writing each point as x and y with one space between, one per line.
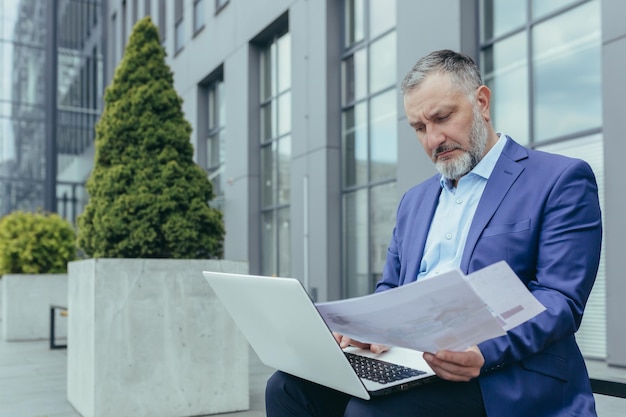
452 128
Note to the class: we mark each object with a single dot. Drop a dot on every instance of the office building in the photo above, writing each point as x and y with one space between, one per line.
52 82
298 119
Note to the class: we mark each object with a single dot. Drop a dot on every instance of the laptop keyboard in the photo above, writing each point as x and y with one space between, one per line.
380 371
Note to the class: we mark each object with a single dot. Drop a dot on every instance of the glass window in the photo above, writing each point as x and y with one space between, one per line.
162 20
268 127
220 4
382 16
179 40
179 27
561 72
268 70
134 12
269 244
383 133
541 8
275 139
382 221
284 170
284 241
284 113
500 16
355 248
369 136
383 63
567 73
283 63
215 147
198 15
354 21
354 140
268 174
505 69
124 22
354 77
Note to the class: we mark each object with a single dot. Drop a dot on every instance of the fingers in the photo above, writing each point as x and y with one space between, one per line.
456 366
379 348
345 341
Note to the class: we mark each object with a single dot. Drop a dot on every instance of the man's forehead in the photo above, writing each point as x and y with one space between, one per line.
431 100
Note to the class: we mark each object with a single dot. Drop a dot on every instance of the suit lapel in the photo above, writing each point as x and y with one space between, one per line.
504 174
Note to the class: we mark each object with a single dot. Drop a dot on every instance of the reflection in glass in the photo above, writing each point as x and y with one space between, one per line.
501 16
382 220
275 124
543 7
354 140
268 175
591 336
212 122
198 15
221 104
269 245
268 125
284 170
382 16
567 73
353 21
267 73
179 36
383 136
383 63
505 70
215 148
354 73
213 151
355 251
284 243
284 113
284 62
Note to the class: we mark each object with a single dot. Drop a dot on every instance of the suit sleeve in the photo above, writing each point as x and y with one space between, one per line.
568 255
392 268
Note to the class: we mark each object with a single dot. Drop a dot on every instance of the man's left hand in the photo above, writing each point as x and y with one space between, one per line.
456 366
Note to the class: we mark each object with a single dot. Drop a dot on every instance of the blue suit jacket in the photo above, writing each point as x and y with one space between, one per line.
540 213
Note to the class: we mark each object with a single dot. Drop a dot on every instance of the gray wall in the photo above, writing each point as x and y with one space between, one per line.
419 33
614 126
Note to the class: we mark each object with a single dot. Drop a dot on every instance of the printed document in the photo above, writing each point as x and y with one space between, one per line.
449 311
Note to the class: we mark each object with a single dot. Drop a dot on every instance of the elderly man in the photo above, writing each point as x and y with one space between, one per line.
492 200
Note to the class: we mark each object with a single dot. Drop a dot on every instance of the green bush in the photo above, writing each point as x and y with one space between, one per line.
35 243
148 198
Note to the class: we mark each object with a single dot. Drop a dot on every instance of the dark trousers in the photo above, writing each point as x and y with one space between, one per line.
287 395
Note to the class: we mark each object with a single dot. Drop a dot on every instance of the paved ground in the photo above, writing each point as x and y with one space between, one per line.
33 384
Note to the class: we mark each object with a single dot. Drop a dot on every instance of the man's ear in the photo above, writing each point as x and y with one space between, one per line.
483 100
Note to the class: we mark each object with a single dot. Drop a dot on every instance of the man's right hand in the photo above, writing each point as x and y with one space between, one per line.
345 341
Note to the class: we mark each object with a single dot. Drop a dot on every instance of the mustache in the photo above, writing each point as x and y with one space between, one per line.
445 148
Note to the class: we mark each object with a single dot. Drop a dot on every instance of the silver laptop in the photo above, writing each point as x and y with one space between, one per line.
281 323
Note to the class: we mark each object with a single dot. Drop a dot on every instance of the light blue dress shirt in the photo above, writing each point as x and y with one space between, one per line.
454 214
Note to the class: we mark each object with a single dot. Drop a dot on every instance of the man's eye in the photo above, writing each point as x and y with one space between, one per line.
443 118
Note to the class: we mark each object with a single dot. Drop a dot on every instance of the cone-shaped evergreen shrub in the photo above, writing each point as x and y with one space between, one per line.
148 198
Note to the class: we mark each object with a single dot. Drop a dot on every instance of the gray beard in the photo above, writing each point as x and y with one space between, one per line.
457 167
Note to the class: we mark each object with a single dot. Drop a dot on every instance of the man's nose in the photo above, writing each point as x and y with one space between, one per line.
434 137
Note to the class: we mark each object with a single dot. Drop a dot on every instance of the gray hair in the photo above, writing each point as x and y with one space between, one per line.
462 70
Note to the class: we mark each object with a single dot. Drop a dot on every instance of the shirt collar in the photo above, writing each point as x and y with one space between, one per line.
485 166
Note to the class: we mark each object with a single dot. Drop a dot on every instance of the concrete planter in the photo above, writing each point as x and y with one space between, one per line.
148 337
26 300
